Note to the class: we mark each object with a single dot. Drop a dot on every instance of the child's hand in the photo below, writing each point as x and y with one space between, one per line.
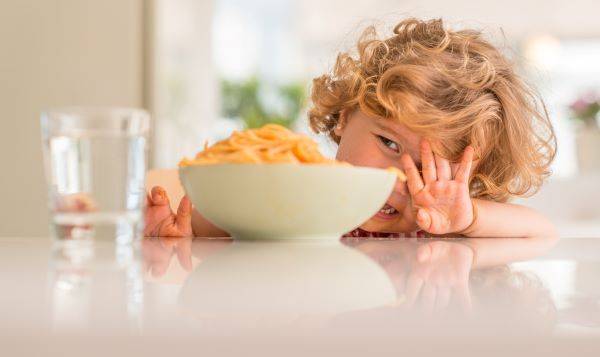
160 221
440 273
157 253
442 202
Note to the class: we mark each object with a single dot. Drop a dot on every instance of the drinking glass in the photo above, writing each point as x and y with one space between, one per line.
95 161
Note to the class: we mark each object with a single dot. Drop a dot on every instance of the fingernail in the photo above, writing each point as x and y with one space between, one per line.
158 194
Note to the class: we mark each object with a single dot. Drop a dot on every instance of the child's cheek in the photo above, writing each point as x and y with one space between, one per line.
361 154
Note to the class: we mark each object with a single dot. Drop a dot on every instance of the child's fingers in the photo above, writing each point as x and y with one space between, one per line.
443 168
184 254
158 196
424 219
183 220
464 169
430 252
424 253
149 229
428 162
438 249
160 267
414 181
454 168
77 202
400 188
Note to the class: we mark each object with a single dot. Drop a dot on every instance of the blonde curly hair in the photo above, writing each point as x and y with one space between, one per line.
453 88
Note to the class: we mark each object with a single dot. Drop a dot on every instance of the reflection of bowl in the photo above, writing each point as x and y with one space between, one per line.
286 200
268 283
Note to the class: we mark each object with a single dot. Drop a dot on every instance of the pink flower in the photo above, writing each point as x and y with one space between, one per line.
580 105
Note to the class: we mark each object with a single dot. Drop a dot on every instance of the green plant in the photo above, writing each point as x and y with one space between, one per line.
243 99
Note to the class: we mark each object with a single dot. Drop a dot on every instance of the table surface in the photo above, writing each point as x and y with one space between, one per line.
211 290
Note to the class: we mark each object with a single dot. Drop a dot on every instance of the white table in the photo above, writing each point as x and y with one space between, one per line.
325 297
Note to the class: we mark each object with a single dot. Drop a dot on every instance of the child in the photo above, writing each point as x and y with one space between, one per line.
446 107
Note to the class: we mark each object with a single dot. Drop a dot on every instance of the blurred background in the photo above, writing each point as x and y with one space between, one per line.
203 68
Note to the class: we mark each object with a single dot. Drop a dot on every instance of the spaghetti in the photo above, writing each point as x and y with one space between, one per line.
270 144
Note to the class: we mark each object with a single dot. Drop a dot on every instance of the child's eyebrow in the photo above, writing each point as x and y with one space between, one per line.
386 127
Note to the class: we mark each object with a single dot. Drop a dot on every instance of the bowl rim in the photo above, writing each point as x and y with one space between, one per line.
300 166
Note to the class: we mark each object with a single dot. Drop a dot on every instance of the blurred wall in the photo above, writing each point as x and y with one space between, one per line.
185 89
56 53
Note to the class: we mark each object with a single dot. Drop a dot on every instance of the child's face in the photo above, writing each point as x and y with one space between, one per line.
377 142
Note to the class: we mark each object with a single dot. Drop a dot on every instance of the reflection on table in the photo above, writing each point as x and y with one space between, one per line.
219 287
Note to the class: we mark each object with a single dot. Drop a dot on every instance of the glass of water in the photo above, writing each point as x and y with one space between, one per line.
95 160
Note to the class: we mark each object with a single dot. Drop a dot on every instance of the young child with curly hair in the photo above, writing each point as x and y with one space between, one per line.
448 108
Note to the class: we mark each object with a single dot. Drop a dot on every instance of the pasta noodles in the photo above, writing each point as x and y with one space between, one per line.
270 144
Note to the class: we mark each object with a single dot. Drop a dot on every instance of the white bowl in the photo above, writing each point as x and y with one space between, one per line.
280 201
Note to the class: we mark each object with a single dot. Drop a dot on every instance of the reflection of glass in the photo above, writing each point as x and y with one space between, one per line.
95 166
95 287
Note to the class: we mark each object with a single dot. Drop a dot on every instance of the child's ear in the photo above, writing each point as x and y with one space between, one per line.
338 129
474 167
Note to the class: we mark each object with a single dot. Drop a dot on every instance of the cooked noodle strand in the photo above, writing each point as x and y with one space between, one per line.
270 144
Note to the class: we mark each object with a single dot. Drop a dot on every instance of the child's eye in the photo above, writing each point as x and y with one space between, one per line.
389 143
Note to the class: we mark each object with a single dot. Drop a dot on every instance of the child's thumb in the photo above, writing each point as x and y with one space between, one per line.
423 219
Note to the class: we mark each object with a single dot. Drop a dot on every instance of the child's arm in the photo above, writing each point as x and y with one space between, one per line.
494 219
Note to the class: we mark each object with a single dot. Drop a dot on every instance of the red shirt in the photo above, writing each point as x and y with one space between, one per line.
366 234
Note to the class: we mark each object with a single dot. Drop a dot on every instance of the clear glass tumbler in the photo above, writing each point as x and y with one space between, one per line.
95 160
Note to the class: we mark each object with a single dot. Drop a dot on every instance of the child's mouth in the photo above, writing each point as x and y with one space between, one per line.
387 212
